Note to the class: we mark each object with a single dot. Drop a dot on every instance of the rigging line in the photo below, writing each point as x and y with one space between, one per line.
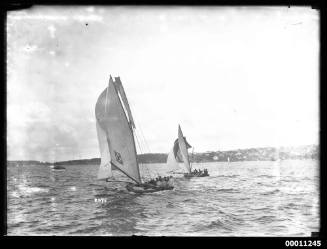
138 143
132 107
139 129
145 166
137 140
145 141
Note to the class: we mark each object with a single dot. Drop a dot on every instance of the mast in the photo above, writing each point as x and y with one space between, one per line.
129 120
106 104
122 93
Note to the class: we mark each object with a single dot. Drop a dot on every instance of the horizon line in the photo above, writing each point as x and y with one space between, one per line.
208 151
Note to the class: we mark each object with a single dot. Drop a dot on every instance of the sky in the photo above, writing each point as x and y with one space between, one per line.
232 77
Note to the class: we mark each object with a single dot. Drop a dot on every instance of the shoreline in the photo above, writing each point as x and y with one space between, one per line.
252 154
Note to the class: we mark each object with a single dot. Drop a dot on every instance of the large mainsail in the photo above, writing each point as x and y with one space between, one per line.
115 132
183 149
104 171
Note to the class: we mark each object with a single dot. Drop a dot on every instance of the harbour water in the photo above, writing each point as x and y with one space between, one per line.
257 198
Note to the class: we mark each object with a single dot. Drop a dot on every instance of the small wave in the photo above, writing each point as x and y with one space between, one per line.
227 176
216 223
88 230
219 224
170 205
32 190
261 209
73 188
271 192
266 176
291 205
228 190
189 200
265 218
15 194
291 180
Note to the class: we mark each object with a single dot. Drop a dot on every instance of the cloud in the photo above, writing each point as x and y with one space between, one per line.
52 31
56 14
196 73
88 18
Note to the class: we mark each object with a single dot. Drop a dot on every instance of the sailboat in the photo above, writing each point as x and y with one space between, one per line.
56 167
179 154
115 130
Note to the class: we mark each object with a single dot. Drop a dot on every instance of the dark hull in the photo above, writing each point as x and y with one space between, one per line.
192 175
57 168
141 189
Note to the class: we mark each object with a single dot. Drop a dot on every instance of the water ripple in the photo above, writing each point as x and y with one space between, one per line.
245 199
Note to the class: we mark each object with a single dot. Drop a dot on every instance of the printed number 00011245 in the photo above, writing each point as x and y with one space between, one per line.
300 243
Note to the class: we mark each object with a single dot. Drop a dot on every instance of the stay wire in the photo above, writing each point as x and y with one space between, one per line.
144 142
139 145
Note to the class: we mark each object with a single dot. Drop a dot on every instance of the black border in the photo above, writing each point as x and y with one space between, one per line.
275 242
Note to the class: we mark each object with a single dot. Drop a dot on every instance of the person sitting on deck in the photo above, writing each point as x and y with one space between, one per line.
152 181
159 183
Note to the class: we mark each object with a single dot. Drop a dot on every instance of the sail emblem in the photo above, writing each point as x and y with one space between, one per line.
118 157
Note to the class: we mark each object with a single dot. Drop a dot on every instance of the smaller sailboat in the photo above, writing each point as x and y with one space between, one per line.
56 167
115 129
179 154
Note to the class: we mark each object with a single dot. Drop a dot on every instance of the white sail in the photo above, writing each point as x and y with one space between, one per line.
118 129
104 171
183 149
172 163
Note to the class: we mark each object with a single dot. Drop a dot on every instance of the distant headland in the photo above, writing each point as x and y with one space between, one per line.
253 154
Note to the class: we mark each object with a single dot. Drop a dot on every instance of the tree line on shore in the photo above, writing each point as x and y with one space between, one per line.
253 154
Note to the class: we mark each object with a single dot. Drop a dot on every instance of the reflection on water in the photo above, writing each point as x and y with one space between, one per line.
238 199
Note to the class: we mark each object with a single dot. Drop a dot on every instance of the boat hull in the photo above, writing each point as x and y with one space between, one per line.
142 189
57 168
187 175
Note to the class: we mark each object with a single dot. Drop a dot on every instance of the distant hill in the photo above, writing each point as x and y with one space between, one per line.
259 154
253 154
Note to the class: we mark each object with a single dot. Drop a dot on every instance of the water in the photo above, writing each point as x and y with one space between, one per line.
238 199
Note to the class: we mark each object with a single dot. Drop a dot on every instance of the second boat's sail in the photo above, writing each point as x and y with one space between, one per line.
172 162
115 133
183 149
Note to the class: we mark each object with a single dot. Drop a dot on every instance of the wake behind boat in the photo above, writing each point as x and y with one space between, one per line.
179 154
115 129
